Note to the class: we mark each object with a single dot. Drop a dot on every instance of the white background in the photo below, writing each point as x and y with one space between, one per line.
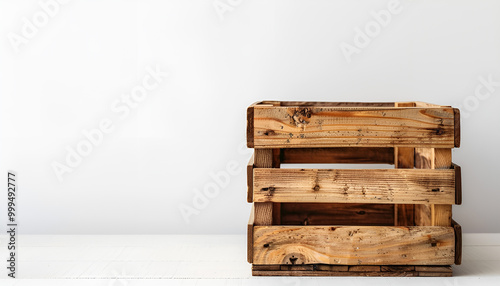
65 78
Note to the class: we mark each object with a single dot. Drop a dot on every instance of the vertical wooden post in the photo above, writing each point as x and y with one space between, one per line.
404 158
404 213
267 213
432 158
441 214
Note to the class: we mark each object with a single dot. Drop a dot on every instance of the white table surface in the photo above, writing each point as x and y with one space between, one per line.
198 260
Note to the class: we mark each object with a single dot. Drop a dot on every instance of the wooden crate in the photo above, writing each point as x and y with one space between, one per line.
353 222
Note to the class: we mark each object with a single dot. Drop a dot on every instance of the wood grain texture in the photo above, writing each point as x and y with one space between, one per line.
404 215
404 157
441 215
263 158
433 214
442 158
250 126
353 155
263 213
458 184
424 159
250 225
456 113
336 214
353 270
250 167
285 127
458 242
423 215
354 245
329 104
354 186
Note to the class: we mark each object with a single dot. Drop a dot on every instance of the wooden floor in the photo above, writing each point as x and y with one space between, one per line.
200 260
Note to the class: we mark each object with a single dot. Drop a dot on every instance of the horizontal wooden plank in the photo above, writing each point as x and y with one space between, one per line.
336 214
342 273
353 155
318 126
328 104
354 245
352 270
394 186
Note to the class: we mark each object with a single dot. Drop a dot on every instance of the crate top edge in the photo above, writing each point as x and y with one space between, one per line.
413 104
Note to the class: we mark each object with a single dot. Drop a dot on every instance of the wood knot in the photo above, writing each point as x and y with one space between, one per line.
433 242
436 190
270 191
439 131
316 188
294 258
269 132
361 212
300 116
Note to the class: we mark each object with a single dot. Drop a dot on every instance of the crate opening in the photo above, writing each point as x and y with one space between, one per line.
336 166
336 214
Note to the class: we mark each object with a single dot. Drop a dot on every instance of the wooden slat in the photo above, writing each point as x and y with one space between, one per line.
401 186
354 245
456 113
442 158
353 155
458 184
263 213
458 242
250 166
425 104
250 225
433 268
329 104
404 215
341 273
326 267
433 214
423 215
441 215
285 127
406 104
336 214
353 270
250 126
263 158
396 268
404 159
364 268
424 159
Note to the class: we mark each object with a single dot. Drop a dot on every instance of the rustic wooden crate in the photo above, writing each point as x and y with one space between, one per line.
362 222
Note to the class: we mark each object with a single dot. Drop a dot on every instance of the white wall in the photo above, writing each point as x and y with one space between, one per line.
67 75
